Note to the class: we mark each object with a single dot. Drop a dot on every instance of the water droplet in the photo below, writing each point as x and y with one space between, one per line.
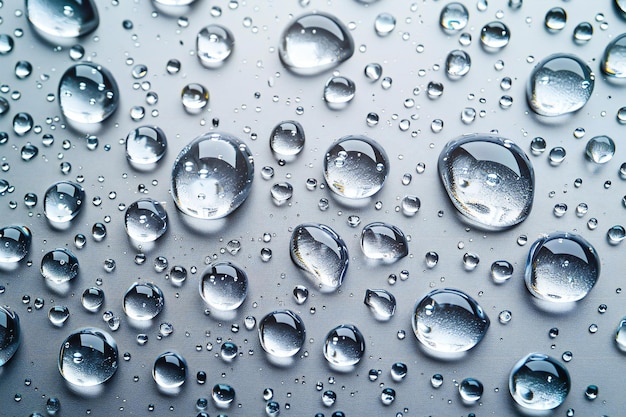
88 357
58 315
356 167
561 267
600 149
314 43
471 390
454 17
410 205
431 258
344 346
92 299
223 395
272 409
88 93
436 380
287 140
10 334
145 146
388 396
282 333
538 145
281 193
501 271
214 45
470 261
223 286
591 393
6 44
300 294
557 155
616 234
14 243
173 66
559 84
555 19
384 24
372 119
64 19
458 64
539 382
212 176
319 251
583 33
494 36
559 209
145 220
490 180
23 69
194 97
505 316
53 405
373 71
328 398
399 371
143 301
381 303
383 242
59 266
169 370
22 123
339 92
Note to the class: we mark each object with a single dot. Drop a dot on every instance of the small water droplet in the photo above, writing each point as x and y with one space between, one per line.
384 242
555 19
223 286
453 17
59 266
143 301
194 98
384 24
471 390
339 92
600 149
494 36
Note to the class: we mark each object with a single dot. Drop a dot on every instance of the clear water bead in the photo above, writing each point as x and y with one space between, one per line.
555 19
344 346
92 299
616 234
538 382
339 92
501 271
10 334
384 242
356 167
63 18
494 36
321 253
453 17
14 243
489 179
59 266
194 98
458 64
583 32
449 321
214 45
145 146
212 176
143 301
314 43
600 149
88 357
561 267
373 71
223 286
169 370
282 333
614 59
223 395
63 201
88 93
384 24
58 315
471 390
620 335
300 294
287 140
145 220
559 84
381 303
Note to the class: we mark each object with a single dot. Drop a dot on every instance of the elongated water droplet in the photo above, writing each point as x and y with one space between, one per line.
169 370
143 301
214 45
88 357
561 268
339 92
314 43
59 266
384 242
344 346
10 334
14 243
287 140
321 253
63 201
282 333
381 303
145 220
539 382
454 17
489 180
145 146
223 286
63 18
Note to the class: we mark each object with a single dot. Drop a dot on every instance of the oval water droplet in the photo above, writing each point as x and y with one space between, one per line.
314 43
321 253
494 36
489 180
145 146
169 370
339 92
384 242
212 176
143 301
381 303
223 286
458 64
63 18
583 33
14 243
539 382
214 45
63 201
287 140
59 266
10 334
600 149
453 17
282 333
145 220
88 357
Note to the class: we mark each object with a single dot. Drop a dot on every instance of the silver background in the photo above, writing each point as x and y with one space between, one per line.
153 41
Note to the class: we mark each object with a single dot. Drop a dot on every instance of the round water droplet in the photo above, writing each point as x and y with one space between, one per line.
59 266
169 370
58 315
373 71
620 335
388 396
494 36
300 294
431 258
399 371
223 395
63 201
6 44
561 267
319 251
384 24
339 92
600 149
143 301
23 69
557 155
145 146
583 32
14 243
470 261
212 176
314 43
287 140
454 17
436 380
282 333
538 145
194 97
92 299
22 123
555 19
356 167
591 393
145 220
616 234
381 303
449 321
281 193
344 346
272 409
559 84
489 179
410 205
88 357
505 316
614 59
10 334
214 45
458 64
384 242
539 382
88 93
501 271
223 286
471 390
65 19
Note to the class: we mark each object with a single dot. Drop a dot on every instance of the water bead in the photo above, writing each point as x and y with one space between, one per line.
143 301
59 266
287 140
384 24
616 234
501 271
92 299
344 346
339 92
458 64
223 395
194 98
381 303
583 32
538 382
282 333
58 315
471 390
145 146
223 286
600 149
145 220
489 180
14 243
388 396
88 357
381 241
63 201
63 18
494 36
555 19
212 176
214 45
169 370
373 71
453 17
10 334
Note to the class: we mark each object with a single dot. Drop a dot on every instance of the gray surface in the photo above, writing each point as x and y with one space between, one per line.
153 41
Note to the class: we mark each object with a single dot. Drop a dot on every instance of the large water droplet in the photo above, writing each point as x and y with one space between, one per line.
344 346
10 334
614 58
494 36
145 220
143 301
356 167
88 93
339 92
223 286
214 45
145 146
489 179
539 382
384 242
319 251
561 267
282 333
169 370
458 64
14 243
63 18
454 17
287 140
63 201
59 266
314 43
559 84
449 321
88 357
381 303
212 176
